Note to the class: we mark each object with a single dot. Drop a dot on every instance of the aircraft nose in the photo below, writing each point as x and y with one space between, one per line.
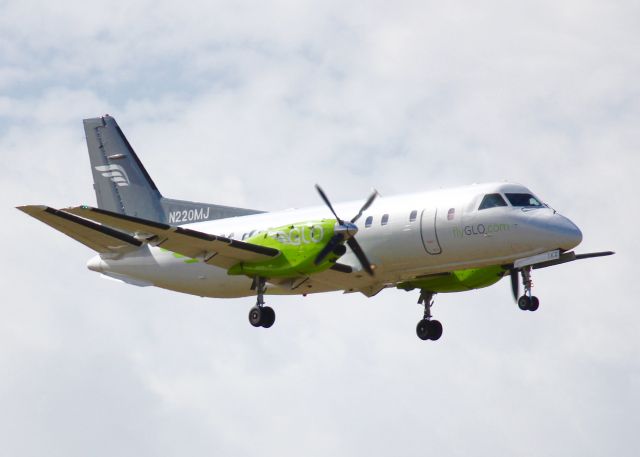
567 233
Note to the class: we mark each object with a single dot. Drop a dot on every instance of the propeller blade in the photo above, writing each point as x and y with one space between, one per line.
515 284
328 203
333 242
357 250
366 205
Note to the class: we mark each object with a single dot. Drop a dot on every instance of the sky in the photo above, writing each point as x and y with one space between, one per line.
250 103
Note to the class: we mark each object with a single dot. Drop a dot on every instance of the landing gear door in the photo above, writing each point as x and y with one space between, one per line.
428 231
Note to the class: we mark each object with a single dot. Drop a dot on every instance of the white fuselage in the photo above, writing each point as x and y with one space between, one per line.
404 237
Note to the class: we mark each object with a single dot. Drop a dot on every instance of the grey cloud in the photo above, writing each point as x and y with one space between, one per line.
250 103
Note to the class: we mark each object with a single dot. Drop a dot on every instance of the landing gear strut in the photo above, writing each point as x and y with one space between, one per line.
527 302
260 315
428 329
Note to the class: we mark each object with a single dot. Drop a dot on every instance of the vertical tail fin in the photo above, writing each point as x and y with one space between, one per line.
122 184
120 181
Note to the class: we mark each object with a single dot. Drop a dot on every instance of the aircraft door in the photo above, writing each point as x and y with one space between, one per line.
428 231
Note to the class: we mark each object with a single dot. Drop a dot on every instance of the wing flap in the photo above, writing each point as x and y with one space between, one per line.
214 249
95 236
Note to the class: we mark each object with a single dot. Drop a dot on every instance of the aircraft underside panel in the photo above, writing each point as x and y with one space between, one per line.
428 231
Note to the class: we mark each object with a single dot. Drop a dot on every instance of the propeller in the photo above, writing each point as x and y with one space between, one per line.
328 203
346 231
515 283
366 206
357 250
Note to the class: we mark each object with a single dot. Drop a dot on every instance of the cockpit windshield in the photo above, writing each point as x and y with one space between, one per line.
491 201
524 201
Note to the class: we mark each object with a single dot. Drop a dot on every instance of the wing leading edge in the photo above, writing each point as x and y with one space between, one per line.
95 236
213 249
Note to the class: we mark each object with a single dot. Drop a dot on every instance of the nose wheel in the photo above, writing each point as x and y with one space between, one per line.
527 302
428 328
261 315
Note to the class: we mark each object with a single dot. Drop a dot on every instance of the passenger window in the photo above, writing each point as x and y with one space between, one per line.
524 200
368 221
413 215
385 219
492 201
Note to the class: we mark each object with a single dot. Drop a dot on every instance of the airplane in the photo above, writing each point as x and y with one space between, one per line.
448 240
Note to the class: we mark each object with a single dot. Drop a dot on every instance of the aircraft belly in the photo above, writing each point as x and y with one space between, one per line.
205 281
174 272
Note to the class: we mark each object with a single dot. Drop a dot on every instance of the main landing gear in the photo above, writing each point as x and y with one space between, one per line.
260 315
427 328
527 302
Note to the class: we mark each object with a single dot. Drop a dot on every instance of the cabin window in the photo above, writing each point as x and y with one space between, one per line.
492 201
368 221
385 219
413 215
244 236
524 200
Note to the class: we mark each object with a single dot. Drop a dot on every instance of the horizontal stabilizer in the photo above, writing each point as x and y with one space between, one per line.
213 249
95 236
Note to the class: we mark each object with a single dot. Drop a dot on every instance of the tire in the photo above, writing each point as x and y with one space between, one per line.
524 303
268 316
422 329
435 330
256 316
535 303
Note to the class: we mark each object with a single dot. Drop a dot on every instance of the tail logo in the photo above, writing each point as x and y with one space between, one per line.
115 173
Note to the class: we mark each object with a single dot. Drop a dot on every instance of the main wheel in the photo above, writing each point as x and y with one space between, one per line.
256 316
422 329
268 316
534 304
524 303
435 330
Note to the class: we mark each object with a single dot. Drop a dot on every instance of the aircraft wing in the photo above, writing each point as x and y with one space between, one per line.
570 257
95 236
214 250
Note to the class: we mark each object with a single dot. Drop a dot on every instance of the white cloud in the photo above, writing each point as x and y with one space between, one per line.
251 103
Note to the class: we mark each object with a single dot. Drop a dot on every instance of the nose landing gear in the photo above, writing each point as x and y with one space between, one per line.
260 315
527 302
428 329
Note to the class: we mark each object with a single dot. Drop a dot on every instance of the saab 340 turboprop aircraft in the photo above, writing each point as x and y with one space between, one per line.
450 240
